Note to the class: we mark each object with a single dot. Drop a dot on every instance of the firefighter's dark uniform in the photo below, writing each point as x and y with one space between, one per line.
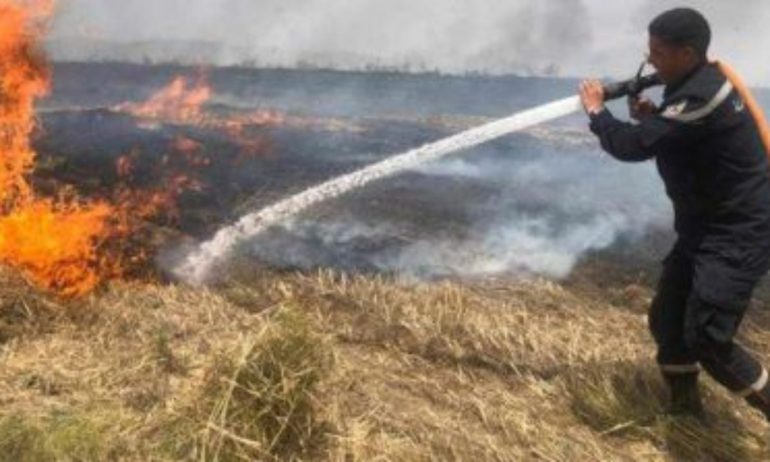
712 161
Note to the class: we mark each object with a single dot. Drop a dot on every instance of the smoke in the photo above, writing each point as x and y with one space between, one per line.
197 266
548 207
565 37
550 199
498 36
517 243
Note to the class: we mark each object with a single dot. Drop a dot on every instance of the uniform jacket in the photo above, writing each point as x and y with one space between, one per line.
710 156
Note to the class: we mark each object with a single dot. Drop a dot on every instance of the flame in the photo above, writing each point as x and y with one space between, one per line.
181 103
23 77
185 153
67 244
178 101
192 151
55 244
151 203
63 244
52 241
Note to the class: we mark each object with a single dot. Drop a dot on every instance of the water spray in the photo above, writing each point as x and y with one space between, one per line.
196 266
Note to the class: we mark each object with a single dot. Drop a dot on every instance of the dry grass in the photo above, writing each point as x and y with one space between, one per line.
58 436
628 400
23 310
328 366
261 405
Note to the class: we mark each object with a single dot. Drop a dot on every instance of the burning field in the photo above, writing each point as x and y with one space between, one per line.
486 306
175 144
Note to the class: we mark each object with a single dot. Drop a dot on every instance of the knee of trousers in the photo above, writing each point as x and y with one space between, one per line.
709 328
712 352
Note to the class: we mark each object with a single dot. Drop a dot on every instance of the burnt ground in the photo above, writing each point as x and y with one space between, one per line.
452 202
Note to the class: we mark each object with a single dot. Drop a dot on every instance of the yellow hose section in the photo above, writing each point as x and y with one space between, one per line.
756 111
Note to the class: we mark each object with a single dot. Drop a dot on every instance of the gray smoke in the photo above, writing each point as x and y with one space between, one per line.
564 37
551 201
555 199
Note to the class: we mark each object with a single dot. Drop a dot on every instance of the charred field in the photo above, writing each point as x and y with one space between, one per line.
487 306
266 134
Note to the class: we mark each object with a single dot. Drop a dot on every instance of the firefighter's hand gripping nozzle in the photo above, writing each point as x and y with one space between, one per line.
632 87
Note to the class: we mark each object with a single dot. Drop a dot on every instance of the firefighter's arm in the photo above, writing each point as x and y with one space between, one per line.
655 133
622 140
635 142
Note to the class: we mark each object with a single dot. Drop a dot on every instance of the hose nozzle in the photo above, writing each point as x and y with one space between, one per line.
631 87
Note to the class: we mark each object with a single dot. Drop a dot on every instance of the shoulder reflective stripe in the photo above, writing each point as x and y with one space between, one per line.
757 386
692 116
754 108
679 368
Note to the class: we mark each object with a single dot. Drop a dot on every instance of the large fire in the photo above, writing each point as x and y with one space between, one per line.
68 244
53 241
65 244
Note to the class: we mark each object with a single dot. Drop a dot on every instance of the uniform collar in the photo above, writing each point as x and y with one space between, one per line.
670 89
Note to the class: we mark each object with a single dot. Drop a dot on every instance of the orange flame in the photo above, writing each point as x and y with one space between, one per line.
181 103
178 101
54 242
153 202
66 244
192 150
23 77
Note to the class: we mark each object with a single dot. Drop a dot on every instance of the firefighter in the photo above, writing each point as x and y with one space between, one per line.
711 158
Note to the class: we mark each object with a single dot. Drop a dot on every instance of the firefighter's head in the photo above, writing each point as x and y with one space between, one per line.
679 42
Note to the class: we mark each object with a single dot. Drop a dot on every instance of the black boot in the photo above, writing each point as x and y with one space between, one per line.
684 394
761 399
